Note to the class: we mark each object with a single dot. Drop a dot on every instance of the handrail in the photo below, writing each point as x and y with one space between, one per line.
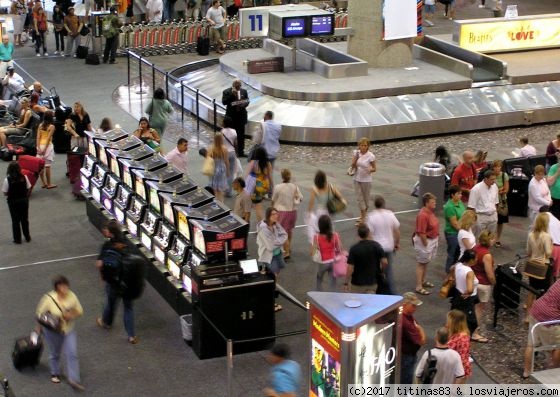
542 347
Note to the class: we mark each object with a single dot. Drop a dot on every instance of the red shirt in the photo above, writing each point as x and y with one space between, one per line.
461 343
478 268
410 336
464 176
427 223
547 307
326 247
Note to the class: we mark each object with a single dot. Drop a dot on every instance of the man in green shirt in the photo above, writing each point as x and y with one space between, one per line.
553 180
111 25
453 210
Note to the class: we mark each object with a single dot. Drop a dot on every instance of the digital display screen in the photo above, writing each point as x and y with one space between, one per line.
99 175
294 27
146 241
198 240
321 25
174 269
132 227
150 221
183 226
159 254
120 215
88 164
164 234
154 199
137 207
103 156
107 202
140 190
96 194
126 178
85 183
187 283
249 266
114 166
91 147
111 184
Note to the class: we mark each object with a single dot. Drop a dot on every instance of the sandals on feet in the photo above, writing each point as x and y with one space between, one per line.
423 291
277 307
101 324
55 379
427 284
497 244
133 340
480 339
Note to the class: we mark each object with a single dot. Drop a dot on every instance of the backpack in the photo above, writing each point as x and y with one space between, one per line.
112 263
132 274
107 27
430 369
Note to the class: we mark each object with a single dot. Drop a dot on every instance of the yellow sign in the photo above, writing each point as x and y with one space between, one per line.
506 35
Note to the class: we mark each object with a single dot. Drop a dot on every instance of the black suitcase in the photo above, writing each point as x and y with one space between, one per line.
203 45
62 112
518 196
61 139
507 291
82 52
92 59
27 351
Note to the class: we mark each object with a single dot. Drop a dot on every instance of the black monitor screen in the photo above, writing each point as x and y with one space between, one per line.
294 27
322 25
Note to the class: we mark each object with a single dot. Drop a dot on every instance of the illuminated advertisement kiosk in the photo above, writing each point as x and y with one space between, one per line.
354 339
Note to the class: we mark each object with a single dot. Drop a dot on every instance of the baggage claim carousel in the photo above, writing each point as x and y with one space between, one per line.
321 99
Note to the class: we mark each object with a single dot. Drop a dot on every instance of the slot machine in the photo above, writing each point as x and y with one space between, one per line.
109 191
125 144
176 257
137 153
177 187
111 136
121 202
161 175
148 227
135 214
86 172
149 163
162 241
97 181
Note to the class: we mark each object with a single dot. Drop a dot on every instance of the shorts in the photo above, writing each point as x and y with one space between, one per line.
484 293
425 254
287 220
543 335
363 289
217 34
430 8
276 264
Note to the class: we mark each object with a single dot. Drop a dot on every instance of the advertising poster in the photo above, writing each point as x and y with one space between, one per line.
376 354
325 356
400 19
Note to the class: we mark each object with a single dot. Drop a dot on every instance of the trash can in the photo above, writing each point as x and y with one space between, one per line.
432 180
186 327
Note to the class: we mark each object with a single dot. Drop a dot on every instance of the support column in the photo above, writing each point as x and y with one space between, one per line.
365 17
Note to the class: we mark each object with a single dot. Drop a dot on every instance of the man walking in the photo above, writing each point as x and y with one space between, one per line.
236 101
453 210
385 229
178 156
366 261
285 374
449 367
464 175
111 25
216 17
484 199
412 337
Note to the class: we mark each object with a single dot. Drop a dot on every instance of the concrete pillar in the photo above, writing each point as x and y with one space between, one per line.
365 17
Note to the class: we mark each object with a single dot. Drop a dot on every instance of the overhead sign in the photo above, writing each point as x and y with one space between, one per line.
253 21
509 35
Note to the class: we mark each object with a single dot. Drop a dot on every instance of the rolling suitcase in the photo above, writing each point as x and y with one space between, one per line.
203 45
27 351
61 139
507 290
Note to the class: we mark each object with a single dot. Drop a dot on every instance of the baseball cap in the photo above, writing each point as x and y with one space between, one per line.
10 69
410 297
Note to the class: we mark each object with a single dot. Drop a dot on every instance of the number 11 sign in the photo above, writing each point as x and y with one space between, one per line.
253 22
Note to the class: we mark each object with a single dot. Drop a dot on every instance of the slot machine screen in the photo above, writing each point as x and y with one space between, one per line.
187 283
103 156
91 147
100 174
180 247
168 212
119 214
174 269
146 241
115 166
140 189
132 227
88 163
198 240
127 178
159 254
150 221
183 225
85 182
111 184
154 199
96 193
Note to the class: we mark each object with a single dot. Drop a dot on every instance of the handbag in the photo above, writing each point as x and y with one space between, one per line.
298 197
335 203
208 167
503 206
536 268
317 257
84 31
351 171
446 290
340 265
49 320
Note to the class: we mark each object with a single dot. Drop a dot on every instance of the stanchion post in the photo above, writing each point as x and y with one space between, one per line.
140 73
128 67
230 368
182 103
197 110
153 78
167 85
215 115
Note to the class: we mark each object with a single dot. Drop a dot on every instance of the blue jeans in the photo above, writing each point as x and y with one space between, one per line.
321 270
111 306
389 278
452 250
67 344
407 368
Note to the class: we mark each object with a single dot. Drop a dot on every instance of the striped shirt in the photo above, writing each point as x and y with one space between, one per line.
547 307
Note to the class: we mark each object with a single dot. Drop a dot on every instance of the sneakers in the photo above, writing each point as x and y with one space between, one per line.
37 55
62 54
429 23
481 6
56 53
46 54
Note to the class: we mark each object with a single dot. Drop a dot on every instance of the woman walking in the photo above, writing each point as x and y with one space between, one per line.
230 142
257 182
318 202
285 198
45 149
502 181
63 303
363 164
159 110
271 236
221 166
328 244
16 188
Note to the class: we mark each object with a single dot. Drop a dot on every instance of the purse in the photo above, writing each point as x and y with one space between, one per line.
503 206
49 320
335 203
317 257
448 284
340 265
536 268
84 31
208 167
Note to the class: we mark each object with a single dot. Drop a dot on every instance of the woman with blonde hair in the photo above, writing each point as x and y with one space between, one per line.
77 124
484 271
466 237
219 153
459 337
539 248
363 165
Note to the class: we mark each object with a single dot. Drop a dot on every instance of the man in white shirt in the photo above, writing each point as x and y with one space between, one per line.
216 16
449 366
539 193
154 10
178 156
12 82
271 136
484 199
526 149
385 229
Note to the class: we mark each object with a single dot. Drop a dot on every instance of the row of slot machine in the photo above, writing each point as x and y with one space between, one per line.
192 236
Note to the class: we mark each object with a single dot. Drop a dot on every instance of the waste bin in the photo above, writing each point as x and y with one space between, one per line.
432 180
186 327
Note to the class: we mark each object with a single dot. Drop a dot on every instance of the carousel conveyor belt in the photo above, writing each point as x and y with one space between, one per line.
384 118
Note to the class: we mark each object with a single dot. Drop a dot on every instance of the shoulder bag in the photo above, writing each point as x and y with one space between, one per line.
430 369
503 204
51 321
536 268
340 265
317 257
446 290
335 203
208 167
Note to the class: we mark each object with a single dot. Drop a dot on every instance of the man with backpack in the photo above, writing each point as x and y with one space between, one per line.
111 25
447 362
123 275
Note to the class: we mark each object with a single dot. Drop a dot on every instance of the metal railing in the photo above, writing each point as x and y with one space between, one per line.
542 347
186 97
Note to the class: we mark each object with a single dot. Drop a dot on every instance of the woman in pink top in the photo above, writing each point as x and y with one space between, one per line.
459 337
328 244
484 271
